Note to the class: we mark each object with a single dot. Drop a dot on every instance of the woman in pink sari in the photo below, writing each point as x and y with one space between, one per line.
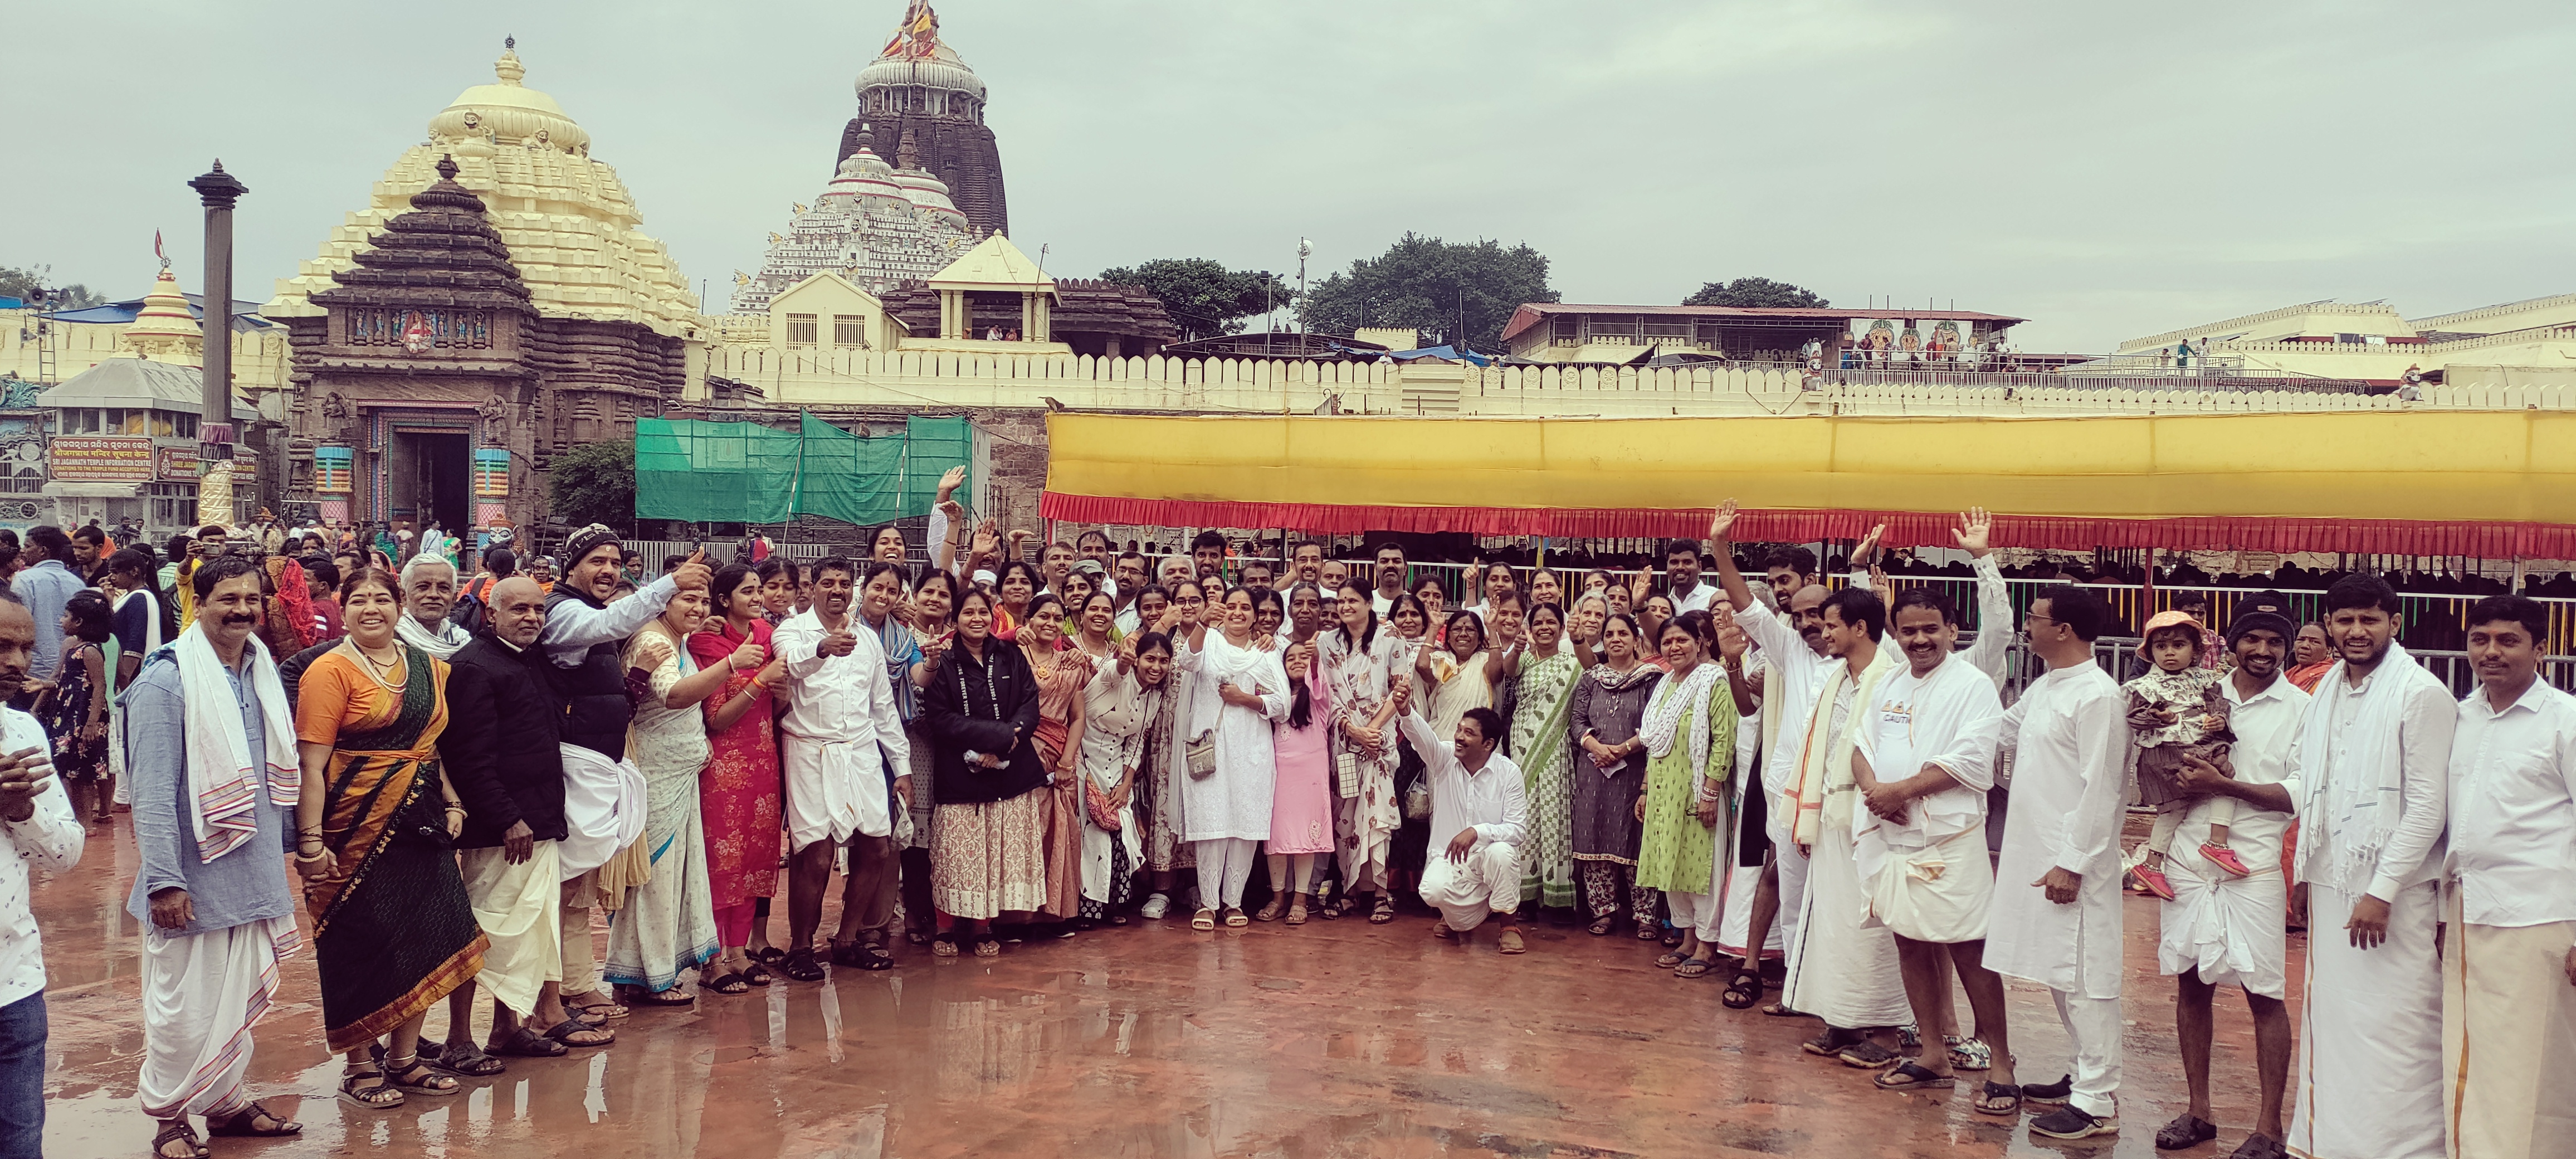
739 795
1061 672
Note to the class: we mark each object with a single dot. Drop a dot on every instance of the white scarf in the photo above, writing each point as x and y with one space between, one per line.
223 774
1824 758
2365 803
1669 706
151 617
442 643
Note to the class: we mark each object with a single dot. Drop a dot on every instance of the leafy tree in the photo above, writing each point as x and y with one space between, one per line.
594 483
1754 292
1205 299
16 283
1463 291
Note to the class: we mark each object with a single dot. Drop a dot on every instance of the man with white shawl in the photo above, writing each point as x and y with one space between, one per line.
1923 760
210 752
1842 968
2509 974
2055 919
2372 761
429 593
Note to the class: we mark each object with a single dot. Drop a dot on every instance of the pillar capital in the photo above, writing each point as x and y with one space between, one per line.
217 188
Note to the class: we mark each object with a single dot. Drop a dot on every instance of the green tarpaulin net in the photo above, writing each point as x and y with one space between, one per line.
705 472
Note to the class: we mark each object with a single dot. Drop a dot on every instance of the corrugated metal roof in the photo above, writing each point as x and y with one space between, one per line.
1529 313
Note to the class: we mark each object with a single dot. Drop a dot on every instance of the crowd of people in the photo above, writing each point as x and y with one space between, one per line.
991 749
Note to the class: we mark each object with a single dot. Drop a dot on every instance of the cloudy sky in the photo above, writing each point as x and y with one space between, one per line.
2105 171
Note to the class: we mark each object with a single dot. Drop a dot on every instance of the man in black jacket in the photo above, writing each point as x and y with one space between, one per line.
500 752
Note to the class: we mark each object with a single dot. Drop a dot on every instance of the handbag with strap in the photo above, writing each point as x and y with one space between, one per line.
1095 804
1201 754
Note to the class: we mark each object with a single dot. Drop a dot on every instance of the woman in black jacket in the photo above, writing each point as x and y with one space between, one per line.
988 834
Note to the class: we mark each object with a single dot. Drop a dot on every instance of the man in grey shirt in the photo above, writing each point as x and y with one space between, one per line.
45 586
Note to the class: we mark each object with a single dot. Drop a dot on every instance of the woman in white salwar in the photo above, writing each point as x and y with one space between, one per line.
1356 662
668 924
1238 690
1118 705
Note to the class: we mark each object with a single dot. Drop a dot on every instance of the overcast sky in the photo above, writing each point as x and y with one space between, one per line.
2106 171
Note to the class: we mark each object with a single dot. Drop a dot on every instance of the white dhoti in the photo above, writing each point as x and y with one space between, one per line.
2509 1040
834 789
519 908
202 994
1940 894
2227 928
2370 1038
1465 893
1791 868
1841 969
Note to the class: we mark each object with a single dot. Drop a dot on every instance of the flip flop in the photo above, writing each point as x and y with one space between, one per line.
526 1043
2000 1099
728 982
462 1061
235 1128
1911 1075
1672 960
1695 968
563 1031
600 1009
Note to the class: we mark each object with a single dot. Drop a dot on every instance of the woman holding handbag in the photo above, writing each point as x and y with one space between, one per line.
1118 705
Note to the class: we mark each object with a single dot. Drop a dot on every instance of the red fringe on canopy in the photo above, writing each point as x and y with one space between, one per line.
1904 529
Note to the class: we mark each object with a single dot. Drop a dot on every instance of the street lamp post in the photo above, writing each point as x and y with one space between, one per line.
219 190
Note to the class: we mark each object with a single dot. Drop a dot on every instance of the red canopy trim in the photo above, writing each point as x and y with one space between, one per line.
1904 528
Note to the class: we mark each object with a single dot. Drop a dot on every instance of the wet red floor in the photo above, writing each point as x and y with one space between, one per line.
1335 1039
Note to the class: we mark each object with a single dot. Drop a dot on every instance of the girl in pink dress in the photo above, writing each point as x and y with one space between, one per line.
1301 803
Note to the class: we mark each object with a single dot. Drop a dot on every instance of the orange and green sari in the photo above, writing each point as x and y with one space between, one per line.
392 931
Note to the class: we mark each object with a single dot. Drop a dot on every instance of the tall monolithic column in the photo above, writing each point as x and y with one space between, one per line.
219 190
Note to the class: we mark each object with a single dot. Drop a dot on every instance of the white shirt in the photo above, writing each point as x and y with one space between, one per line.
2425 724
839 699
1695 600
2071 731
1950 717
52 840
2513 808
1490 800
1384 603
2266 728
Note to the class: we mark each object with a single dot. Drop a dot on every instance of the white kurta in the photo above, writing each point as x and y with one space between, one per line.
1234 801
2229 928
1113 741
1842 968
1922 883
842 731
1494 803
2070 729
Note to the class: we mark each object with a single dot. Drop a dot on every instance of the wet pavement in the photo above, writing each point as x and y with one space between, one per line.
1334 1039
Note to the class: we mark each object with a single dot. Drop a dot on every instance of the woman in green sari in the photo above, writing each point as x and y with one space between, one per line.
393 932
1689 732
1545 750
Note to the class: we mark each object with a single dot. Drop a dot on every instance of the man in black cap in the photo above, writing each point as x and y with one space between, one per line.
2220 930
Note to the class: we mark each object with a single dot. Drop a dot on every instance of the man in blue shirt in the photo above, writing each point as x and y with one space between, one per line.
45 586
212 894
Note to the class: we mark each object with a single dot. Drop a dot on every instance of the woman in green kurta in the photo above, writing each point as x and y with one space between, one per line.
1689 732
1540 742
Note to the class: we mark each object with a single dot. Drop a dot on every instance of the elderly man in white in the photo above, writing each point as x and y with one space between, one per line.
2509 972
1480 817
841 733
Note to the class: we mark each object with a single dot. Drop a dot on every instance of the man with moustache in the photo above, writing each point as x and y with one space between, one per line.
583 637
2224 930
842 731
502 755
212 771
38 828
1390 578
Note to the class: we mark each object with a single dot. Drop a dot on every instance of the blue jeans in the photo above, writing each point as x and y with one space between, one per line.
22 1078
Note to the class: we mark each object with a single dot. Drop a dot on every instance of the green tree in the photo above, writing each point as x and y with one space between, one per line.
1457 291
1204 298
595 483
17 283
1754 292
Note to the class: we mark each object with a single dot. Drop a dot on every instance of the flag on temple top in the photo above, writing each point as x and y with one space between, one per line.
917 38
157 251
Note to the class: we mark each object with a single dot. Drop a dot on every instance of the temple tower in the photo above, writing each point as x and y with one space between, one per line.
918 90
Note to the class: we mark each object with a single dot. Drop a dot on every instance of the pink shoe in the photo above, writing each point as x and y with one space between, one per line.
2225 858
2154 880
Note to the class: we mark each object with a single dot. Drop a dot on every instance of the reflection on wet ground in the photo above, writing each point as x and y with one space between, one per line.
1334 1039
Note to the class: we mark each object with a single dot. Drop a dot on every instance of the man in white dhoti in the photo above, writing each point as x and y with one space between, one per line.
1479 821
2372 761
1842 968
2509 970
1923 760
213 776
37 827
2225 930
2055 919
841 733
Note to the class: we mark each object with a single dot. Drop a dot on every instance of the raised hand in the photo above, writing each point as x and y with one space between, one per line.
1722 524
747 657
1732 643
950 480
694 574
1974 532
1866 555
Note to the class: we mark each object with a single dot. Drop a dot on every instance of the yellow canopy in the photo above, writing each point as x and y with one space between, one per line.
2488 483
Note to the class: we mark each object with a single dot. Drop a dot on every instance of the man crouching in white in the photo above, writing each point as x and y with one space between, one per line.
1476 794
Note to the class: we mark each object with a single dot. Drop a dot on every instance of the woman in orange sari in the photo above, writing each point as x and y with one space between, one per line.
393 933
1062 673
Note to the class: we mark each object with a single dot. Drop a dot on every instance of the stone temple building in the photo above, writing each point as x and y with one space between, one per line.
874 224
494 303
918 90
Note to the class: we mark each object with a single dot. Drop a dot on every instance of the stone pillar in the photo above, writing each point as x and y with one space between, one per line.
219 191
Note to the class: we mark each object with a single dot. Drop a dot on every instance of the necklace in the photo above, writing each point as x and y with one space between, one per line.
380 671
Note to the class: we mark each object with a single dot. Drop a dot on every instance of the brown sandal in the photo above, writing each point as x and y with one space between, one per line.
244 1124
1297 914
178 1130
1271 912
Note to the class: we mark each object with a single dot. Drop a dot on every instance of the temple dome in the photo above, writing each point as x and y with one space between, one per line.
572 228
509 112
927 192
166 327
916 56
867 179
